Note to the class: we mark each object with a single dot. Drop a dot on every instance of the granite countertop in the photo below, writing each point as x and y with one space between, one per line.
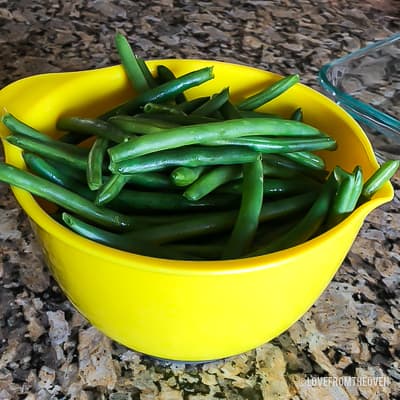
47 350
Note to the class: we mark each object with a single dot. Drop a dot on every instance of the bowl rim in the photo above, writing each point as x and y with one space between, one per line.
218 267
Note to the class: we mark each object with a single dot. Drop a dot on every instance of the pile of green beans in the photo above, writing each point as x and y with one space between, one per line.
185 178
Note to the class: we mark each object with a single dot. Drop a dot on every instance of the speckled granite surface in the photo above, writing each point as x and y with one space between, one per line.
48 351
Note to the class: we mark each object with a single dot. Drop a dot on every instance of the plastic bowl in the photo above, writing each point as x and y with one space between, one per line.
188 310
366 83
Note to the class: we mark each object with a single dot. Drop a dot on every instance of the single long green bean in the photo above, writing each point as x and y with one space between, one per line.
178 119
247 221
294 148
268 94
308 159
279 171
57 151
225 130
163 92
138 125
190 156
130 64
17 126
65 198
41 167
279 161
93 126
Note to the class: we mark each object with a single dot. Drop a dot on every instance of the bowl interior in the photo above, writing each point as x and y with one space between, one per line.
89 93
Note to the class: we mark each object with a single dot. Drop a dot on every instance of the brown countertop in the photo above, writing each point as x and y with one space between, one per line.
47 350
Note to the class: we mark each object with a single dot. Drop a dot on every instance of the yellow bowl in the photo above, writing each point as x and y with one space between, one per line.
187 310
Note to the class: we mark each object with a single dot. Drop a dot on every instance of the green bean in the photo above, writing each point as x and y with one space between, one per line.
64 198
60 174
20 129
130 201
130 63
214 104
297 114
151 180
308 225
247 221
72 138
383 174
268 94
211 180
358 186
190 156
151 81
208 223
165 75
92 126
41 167
178 119
349 187
111 189
276 186
257 114
279 161
138 125
229 129
95 163
152 108
184 176
163 92
17 126
126 241
279 171
53 150
229 111
190 105
68 170
289 146
308 159
133 200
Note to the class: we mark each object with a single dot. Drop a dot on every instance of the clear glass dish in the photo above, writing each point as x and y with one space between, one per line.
366 83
